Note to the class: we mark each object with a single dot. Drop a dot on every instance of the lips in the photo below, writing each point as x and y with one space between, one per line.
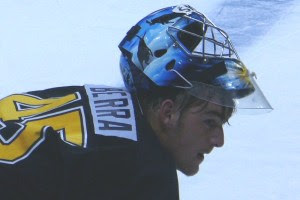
200 156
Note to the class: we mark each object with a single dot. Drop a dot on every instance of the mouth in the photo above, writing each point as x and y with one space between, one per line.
200 157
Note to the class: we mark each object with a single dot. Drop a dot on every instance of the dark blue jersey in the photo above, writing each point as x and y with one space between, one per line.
81 142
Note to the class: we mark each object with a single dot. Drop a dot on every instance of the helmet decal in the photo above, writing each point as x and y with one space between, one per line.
165 19
144 52
185 9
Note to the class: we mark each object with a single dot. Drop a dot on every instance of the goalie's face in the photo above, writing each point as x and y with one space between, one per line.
191 134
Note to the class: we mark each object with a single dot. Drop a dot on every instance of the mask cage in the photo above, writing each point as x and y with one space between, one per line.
207 39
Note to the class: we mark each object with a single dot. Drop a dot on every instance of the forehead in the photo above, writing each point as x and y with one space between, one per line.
208 109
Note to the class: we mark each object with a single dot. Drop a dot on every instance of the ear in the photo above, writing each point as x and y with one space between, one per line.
168 113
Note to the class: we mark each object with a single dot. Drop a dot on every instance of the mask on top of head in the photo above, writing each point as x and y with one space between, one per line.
180 47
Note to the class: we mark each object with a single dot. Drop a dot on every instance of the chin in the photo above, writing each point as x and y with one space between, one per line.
189 171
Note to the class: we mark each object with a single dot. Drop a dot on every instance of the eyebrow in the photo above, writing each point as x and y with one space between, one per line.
215 113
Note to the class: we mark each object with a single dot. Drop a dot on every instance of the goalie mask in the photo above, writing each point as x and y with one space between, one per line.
180 47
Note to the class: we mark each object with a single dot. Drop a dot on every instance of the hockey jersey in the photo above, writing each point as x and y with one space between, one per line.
81 142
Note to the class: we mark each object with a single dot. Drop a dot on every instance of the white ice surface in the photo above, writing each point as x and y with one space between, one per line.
62 42
70 42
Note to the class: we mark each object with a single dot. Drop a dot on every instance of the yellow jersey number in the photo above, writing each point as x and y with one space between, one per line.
23 122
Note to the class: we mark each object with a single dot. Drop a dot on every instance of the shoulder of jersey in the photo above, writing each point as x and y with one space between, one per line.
112 111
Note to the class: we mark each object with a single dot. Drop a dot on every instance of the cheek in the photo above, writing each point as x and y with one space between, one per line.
194 135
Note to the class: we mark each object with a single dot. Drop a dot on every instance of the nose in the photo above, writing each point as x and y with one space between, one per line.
217 138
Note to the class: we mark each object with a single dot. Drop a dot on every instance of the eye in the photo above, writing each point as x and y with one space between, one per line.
170 65
160 52
211 123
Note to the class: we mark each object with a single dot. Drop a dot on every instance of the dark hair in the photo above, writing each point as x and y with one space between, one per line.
151 100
